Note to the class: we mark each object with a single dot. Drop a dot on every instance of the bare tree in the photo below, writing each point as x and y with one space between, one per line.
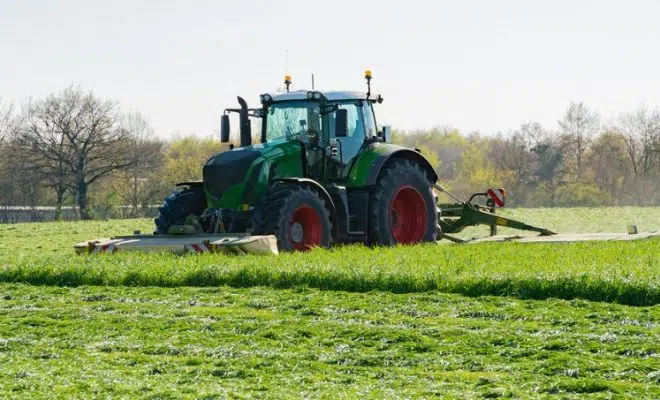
550 164
610 165
140 182
7 178
580 125
641 132
7 181
19 186
7 121
533 158
49 167
77 132
514 153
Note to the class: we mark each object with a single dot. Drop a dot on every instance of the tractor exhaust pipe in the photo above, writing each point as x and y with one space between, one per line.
245 127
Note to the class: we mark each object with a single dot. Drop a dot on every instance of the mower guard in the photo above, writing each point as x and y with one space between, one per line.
182 244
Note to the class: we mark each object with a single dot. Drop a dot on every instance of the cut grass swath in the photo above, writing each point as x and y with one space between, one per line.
619 272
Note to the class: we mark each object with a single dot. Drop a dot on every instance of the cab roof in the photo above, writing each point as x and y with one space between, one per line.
334 95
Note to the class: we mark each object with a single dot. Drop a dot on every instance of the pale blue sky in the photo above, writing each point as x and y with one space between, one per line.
476 65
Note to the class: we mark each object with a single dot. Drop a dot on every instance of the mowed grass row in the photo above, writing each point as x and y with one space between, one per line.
220 342
621 272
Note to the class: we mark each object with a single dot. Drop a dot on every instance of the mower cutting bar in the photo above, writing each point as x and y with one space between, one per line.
182 244
569 237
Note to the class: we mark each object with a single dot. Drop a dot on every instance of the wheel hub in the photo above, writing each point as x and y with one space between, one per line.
306 228
408 215
297 232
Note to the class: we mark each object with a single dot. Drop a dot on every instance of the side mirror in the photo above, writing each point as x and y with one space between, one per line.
387 134
224 128
341 123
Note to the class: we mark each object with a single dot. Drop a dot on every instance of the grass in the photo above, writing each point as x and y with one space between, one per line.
626 273
491 320
222 342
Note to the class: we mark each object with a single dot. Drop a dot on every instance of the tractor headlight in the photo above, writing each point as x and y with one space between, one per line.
317 96
310 95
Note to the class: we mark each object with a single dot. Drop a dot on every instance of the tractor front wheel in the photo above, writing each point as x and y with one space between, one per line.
178 206
402 209
297 216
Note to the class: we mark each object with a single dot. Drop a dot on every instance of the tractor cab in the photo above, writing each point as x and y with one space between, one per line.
331 128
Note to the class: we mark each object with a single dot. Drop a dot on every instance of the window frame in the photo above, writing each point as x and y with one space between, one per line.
306 104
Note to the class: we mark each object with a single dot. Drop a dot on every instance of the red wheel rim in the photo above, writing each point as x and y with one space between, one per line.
306 228
408 215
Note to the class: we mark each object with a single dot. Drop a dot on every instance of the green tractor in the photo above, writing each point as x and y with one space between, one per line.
322 173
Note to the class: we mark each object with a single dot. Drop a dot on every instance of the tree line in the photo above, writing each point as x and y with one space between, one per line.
76 149
583 161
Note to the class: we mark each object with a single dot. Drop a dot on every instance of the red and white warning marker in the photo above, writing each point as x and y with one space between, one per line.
498 196
196 248
106 248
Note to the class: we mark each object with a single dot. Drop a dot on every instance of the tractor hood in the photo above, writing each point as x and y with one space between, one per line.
226 169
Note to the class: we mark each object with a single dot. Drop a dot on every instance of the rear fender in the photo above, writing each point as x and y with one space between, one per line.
368 166
317 187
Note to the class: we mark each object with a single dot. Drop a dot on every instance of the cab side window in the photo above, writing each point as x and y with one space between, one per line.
351 144
355 125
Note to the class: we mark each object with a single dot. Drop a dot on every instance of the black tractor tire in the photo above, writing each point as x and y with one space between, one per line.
296 215
402 209
178 206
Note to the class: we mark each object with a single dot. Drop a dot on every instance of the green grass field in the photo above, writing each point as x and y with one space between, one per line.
490 320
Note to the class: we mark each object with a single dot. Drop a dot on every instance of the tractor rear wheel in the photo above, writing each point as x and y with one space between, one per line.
178 206
402 207
297 216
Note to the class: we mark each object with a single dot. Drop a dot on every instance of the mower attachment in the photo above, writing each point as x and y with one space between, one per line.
457 216
182 244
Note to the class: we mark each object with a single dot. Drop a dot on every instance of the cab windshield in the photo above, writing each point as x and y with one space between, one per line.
292 119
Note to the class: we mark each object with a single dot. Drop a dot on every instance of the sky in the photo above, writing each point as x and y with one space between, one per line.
483 66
